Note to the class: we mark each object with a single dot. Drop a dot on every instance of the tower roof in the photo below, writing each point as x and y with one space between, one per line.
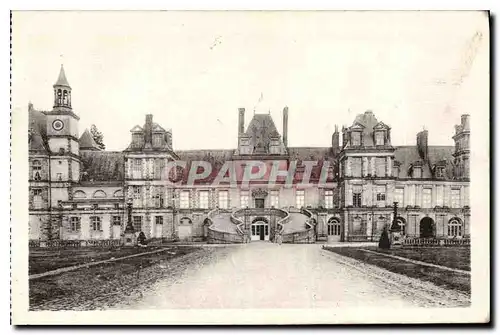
61 80
87 141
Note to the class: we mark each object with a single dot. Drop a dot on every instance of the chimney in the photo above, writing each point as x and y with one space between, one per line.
335 140
465 122
422 144
148 130
285 126
241 121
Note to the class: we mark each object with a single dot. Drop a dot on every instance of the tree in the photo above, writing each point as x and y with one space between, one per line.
97 136
384 242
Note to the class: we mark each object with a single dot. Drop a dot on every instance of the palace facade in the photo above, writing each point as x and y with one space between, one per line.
341 192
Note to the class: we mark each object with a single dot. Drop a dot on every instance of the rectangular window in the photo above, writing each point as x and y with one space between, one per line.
117 206
328 198
440 172
426 198
417 172
356 138
95 223
244 199
380 195
136 192
223 199
159 219
399 195
74 224
356 166
158 192
455 198
439 195
184 199
299 198
157 140
37 198
137 223
379 138
356 196
117 220
203 199
137 168
380 166
275 198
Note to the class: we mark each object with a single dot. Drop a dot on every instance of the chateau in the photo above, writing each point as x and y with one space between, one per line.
341 192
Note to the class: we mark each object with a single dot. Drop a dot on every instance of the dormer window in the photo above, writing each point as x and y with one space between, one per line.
417 172
440 172
356 138
379 138
157 140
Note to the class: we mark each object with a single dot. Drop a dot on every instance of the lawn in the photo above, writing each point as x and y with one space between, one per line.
441 277
456 258
43 260
87 283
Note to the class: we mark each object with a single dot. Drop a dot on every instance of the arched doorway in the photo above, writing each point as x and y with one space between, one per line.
334 230
206 224
427 227
259 230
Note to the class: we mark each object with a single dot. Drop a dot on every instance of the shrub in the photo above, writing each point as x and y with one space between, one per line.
384 242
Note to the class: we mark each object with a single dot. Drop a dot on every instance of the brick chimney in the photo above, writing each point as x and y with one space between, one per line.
422 148
285 126
241 120
148 131
465 122
336 140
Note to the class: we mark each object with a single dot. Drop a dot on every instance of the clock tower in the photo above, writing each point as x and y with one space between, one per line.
62 134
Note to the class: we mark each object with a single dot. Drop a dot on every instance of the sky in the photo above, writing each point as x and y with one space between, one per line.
193 70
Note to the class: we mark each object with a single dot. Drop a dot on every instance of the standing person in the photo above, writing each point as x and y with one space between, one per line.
280 239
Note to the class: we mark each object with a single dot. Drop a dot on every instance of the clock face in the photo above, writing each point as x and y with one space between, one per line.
58 125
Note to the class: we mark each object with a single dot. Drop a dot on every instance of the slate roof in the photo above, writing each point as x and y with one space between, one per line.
260 130
87 142
61 80
368 120
407 155
37 131
102 166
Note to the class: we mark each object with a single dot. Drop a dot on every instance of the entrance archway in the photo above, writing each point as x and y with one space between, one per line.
427 227
334 230
259 230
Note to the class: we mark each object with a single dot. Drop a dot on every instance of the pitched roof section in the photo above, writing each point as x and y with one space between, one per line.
102 166
37 131
87 141
408 155
61 80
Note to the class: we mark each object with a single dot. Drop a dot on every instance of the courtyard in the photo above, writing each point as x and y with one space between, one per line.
255 275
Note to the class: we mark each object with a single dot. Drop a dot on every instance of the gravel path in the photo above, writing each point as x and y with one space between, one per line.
266 275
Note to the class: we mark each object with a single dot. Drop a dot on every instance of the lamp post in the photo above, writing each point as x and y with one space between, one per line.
129 238
395 228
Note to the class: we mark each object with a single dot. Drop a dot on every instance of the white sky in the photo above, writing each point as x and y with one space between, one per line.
325 66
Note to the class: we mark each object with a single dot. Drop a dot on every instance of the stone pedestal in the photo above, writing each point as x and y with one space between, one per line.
396 239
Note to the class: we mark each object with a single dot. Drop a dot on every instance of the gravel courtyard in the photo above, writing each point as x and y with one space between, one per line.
266 275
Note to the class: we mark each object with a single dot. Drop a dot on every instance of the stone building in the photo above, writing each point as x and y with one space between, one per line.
342 192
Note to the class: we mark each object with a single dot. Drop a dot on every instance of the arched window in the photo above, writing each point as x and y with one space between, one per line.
455 227
185 221
118 194
334 227
59 97
37 170
79 195
99 194
65 97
